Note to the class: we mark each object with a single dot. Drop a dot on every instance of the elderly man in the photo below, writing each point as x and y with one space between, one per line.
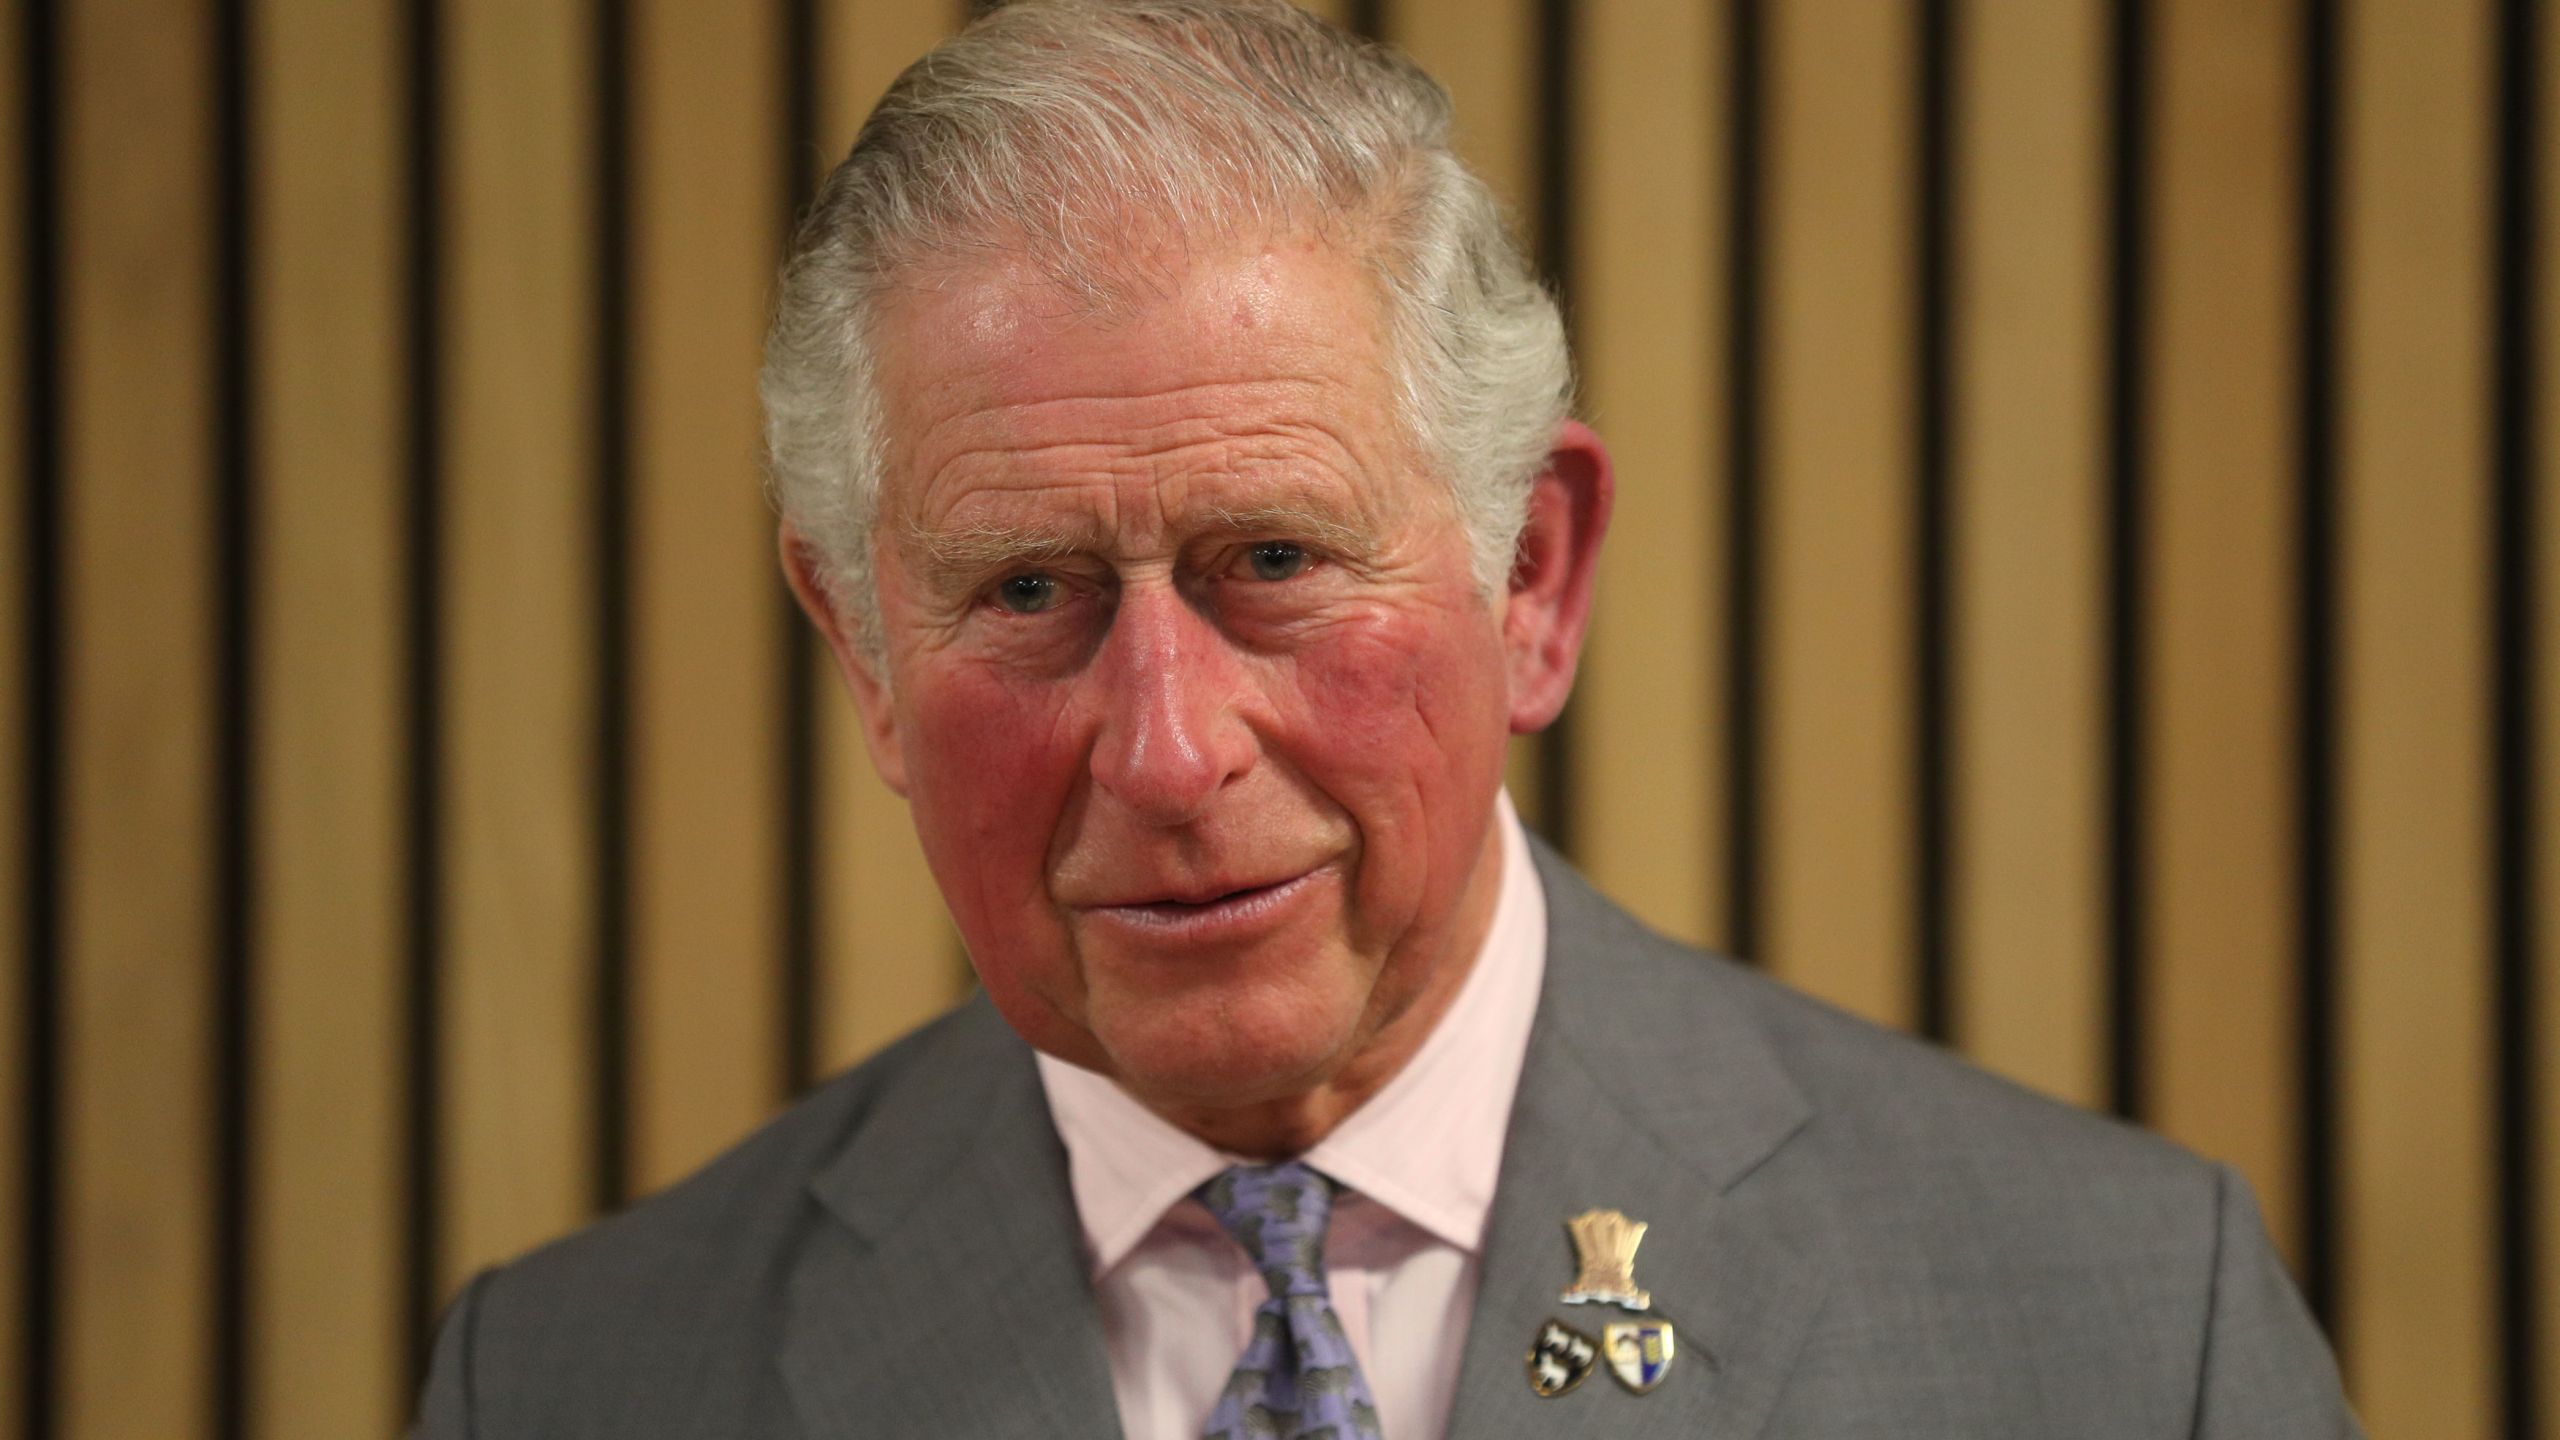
1174 453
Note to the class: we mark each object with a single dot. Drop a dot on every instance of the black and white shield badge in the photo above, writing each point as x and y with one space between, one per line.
1562 1358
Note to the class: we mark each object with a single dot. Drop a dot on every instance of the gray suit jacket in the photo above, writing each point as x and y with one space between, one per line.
1855 1234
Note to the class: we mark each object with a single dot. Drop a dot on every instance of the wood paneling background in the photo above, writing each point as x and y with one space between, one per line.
2083 589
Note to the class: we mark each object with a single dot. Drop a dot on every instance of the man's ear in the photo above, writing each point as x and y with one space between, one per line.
800 566
1551 574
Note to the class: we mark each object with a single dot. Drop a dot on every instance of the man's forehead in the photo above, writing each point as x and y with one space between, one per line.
1254 380
996 331
1094 513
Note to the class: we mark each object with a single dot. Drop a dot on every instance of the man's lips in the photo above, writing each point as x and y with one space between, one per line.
1191 896
1208 910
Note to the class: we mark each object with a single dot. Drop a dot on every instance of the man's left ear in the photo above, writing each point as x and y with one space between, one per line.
1551 575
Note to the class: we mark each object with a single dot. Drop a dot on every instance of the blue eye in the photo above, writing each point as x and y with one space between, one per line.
1029 594
1276 560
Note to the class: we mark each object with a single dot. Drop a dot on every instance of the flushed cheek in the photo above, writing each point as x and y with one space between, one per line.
989 769
1402 721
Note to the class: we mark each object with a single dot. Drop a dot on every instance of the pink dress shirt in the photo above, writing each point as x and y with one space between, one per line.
1177 1295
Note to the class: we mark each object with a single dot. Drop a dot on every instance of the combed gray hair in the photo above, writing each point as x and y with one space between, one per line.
1049 129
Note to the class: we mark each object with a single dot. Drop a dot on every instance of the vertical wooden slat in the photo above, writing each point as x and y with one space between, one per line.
13 734
516 1068
1647 711
2028 565
325 1310
2218 956
137 1263
1486 54
705 594
2414 1039
2545 481
1838 509
888 958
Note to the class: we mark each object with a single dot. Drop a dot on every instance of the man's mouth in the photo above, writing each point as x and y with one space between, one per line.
1181 905
1218 909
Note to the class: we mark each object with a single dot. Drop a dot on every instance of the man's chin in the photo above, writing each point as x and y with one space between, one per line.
1214 1068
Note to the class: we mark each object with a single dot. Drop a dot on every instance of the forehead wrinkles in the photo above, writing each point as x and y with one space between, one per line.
1126 462
1008 408
981 415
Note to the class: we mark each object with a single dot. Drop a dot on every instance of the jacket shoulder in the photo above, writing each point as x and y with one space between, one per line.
1925 1143
1879 1099
1936 1176
1906 1093
664 1317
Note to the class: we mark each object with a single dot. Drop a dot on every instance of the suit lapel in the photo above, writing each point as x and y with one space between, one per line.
1647 1089
951 1299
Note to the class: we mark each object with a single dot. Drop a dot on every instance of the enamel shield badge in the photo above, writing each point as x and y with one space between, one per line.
1562 1358
1639 1352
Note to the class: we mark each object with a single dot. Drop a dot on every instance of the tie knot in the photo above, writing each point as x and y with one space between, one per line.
1278 1213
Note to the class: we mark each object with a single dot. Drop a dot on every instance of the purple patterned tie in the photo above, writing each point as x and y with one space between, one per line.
1298 1379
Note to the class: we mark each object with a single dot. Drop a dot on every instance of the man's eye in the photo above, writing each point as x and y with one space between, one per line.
1029 594
1276 560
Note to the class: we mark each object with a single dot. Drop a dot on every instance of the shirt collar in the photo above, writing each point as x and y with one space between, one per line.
1428 1146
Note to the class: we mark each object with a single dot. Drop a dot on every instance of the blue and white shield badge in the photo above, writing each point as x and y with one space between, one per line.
1639 1352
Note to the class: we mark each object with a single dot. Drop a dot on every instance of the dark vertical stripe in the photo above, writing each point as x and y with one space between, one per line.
1368 19
2127 179
234 538
2517 795
611 623
1556 58
422 376
797 749
1934 603
1746 52
2315 673
40 700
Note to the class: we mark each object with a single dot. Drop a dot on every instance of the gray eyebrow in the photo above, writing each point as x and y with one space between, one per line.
1296 522
968 553
975 550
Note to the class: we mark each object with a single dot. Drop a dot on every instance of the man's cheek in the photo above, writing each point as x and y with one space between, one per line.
1395 695
991 766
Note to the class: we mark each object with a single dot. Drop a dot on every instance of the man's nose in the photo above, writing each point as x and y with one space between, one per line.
1168 686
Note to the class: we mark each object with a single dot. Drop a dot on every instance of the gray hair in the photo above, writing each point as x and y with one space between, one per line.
1040 131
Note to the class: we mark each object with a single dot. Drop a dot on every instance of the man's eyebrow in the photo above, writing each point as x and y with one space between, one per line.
969 553
1287 521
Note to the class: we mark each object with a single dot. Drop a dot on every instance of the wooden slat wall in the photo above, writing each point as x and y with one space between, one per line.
2538 1205
15 740
1838 507
2539 407
2413 535
326 1235
2217 849
706 639
139 705
2063 597
1650 800
2027 460
515 922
